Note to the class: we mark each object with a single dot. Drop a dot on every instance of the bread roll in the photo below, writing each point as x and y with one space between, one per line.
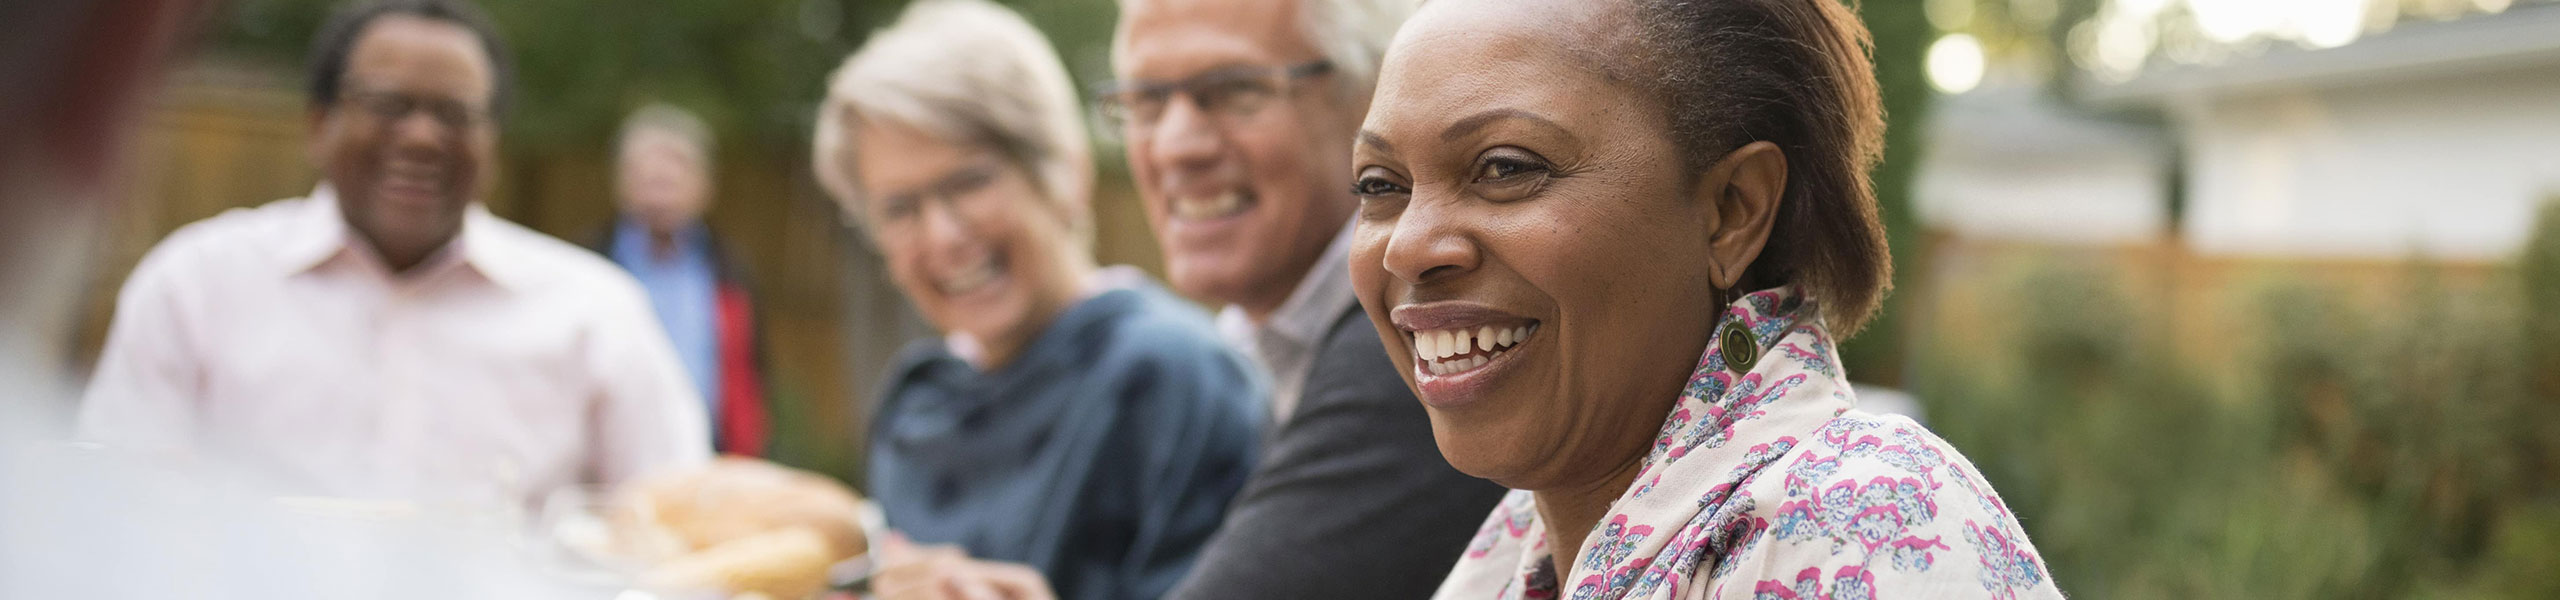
741 525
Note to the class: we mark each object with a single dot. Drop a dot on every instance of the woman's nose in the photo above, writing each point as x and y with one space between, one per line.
1430 241
941 225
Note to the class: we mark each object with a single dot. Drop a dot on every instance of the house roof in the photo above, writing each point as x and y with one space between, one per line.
2521 37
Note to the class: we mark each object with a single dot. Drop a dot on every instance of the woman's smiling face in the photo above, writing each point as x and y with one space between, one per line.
967 235
1531 245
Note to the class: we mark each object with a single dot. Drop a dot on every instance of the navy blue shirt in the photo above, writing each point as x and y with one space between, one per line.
1104 455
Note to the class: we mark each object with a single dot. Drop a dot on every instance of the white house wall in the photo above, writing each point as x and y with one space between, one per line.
2008 165
2452 168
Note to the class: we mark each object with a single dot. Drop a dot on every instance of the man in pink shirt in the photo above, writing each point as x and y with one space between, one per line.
387 337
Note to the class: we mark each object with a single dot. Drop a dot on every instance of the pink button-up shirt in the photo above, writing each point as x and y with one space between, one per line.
506 366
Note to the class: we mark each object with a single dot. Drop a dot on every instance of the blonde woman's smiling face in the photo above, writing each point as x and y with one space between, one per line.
966 233
1530 245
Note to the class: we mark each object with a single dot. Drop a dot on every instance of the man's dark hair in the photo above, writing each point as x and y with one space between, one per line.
337 39
1795 73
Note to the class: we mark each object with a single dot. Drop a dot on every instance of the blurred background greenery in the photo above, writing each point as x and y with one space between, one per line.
2169 417
2283 408
2400 448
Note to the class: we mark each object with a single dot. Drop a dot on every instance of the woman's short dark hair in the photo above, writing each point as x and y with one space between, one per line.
1795 73
338 35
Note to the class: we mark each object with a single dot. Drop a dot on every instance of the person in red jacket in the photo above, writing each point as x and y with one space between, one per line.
663 184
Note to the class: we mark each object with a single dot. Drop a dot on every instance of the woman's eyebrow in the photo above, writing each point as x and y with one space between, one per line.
1468 126
1372 139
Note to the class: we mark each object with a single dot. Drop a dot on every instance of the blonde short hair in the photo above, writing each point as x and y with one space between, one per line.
971 72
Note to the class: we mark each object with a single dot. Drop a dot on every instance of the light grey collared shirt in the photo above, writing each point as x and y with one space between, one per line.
1285 345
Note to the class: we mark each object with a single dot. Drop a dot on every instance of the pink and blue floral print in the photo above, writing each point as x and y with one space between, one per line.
1767 483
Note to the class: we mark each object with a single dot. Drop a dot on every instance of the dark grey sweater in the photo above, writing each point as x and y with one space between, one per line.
1351 499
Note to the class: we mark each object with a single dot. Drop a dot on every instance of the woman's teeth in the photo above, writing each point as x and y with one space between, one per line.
1447 351
1209 207
970 279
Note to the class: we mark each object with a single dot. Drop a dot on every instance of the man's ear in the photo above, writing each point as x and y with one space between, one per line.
1744 189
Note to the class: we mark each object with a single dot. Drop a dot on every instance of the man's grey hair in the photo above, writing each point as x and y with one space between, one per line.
970 72
1351 34
659 117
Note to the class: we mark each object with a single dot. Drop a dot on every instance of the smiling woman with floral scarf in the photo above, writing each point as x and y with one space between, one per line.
1608 243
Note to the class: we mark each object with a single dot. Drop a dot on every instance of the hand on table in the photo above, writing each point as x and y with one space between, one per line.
911 572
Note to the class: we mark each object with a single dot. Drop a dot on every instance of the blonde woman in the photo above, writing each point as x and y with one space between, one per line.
1076 422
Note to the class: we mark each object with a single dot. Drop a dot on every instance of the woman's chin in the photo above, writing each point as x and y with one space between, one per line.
1487 471
992 330
1487 456
991 311
989 325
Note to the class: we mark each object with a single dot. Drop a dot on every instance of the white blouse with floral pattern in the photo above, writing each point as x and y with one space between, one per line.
1766 483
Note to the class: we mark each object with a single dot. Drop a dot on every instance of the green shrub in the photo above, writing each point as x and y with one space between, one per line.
2383 451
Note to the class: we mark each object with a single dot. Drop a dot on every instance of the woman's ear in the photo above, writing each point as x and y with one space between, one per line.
1745 188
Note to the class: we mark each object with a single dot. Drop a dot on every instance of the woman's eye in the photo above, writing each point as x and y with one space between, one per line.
1507 173
1500 169
1372 185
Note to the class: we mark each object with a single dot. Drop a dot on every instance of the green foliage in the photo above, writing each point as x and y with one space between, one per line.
1903 31
2540 278
750 67
801 440
2362 454
1902 36
755 69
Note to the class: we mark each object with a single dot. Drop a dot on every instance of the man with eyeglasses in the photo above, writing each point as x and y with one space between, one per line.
1238 117
386 337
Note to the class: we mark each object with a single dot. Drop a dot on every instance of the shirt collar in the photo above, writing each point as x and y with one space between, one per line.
318 233
487 248
321 233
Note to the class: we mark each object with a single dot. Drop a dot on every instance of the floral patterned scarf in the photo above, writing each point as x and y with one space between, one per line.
1766 482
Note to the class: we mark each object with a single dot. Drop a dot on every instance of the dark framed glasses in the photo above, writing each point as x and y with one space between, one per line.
1224 93
391 107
